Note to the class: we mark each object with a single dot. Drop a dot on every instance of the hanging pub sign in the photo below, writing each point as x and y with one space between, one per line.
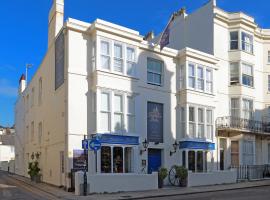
155 122
80 159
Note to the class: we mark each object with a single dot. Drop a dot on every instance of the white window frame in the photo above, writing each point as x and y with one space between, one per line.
118 112
209 124
109 55
161 74
236 31
247 46
235 75
108 112
201 124
200 79
248 75
247 111
132 62
209 82
192 77
119 59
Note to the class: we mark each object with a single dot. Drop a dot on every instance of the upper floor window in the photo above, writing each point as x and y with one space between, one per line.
118 113
154 71
234 73
268 57
33 97
39 132
247 42
247 74
118 58
200 78
235 107
130 61
234 40
191 75
105 55
247 108
105 112
130 114
192 123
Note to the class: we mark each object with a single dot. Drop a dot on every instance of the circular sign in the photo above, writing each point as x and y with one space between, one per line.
94 145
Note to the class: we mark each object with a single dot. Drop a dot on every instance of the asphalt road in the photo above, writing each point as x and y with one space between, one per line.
257 193
11 189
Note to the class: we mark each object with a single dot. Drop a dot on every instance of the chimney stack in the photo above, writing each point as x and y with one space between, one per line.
22 84
56 20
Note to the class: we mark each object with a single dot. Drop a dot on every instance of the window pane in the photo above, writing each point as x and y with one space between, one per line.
199 161
130 54
118 65
118 122
118 160
234 40
191 160
200 115
247 69
118 103
128 159
105 48
130 68
154 71
200 72
234 73
105 102
105 62
106 160
209 116
118 51
191 114
104 121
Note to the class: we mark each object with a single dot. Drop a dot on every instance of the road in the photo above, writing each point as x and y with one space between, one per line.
257 193
12 189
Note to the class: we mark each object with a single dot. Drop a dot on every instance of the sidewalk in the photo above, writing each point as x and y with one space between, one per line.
167 191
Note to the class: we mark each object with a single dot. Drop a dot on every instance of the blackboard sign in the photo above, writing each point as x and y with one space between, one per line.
79 160
59 60
155 122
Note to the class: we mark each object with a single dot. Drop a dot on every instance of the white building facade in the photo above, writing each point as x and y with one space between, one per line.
106 81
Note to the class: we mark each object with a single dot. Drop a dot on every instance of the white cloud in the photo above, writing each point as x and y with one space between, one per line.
6 89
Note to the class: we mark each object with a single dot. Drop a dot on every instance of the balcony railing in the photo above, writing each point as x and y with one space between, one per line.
252 172
242 124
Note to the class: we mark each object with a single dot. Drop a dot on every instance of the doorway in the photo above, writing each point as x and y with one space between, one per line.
154 160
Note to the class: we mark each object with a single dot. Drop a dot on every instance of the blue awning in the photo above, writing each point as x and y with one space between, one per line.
117 139
197 145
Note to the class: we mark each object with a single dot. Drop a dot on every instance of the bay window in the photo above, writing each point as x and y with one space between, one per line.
105 55
247 42
191 75
105 112
118 113
154 71
118 58
247 74
130 61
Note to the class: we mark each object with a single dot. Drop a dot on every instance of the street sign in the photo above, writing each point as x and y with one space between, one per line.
94 145
91 144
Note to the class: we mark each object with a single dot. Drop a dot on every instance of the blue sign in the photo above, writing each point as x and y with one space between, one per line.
117 139
85 144
197 145
94 145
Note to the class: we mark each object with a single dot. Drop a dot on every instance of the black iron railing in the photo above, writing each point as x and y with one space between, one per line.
252 172
243 124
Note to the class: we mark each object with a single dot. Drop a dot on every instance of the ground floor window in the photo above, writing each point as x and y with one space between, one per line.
116 159
248 152
197 160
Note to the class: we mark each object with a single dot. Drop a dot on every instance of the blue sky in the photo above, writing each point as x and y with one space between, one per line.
23 35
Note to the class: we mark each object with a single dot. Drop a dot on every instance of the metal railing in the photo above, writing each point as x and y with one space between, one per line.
243 124
252 172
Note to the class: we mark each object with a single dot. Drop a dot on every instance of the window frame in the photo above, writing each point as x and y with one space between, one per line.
247 75
161 73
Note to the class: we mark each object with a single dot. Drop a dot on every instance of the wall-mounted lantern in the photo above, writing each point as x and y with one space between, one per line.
175 145
145 144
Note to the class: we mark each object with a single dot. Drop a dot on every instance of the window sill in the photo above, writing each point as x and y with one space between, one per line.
198 91
236 50
117 74
241 85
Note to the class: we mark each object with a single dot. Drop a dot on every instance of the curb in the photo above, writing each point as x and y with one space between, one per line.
194 192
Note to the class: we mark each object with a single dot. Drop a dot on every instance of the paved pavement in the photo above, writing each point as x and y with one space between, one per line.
257 193
11 189
17 187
